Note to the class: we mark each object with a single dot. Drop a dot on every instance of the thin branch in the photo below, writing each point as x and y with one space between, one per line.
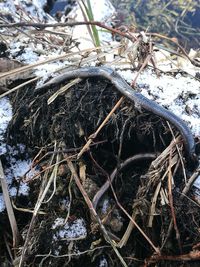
94 135
42 26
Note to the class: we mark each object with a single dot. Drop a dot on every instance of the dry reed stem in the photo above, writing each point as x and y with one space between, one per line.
13 223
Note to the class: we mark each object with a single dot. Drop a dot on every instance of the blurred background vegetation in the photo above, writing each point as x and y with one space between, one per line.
174 18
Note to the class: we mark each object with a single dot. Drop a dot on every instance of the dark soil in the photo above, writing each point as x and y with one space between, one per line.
70 119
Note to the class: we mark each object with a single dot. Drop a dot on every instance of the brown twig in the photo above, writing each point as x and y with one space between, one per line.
42 26
156 249
92 210
94 135
144 64
191 256
140 156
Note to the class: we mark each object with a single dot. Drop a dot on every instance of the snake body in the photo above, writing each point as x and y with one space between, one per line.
106 185
137 98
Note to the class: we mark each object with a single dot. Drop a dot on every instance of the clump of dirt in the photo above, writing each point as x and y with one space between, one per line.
60 130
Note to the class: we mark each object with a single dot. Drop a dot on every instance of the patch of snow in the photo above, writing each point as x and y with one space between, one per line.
105 206
64 204
39 3
197 183
58 250
28 56
15 172
69 231
2 203
5 117
8 7
28 9
47 70
174 93
103 262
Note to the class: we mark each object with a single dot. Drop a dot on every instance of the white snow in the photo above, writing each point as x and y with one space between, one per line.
5 117
105 206
16 172
197 184
69 231
175 93
2 203
28 56
28 9
103 262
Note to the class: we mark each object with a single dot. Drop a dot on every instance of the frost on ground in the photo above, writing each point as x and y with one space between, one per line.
5 117
103 262
17 167
179 94
15 173
65 231
75 230
25 9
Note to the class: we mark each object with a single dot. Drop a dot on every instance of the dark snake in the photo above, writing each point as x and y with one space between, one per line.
140 157
138 99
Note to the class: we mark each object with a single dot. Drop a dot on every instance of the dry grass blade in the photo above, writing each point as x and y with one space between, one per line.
179 153
62 90
163 157
127 233
171 202
160 161
47 181
19 86
152 211
42 62
11 215
156 249
93 212
27 210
